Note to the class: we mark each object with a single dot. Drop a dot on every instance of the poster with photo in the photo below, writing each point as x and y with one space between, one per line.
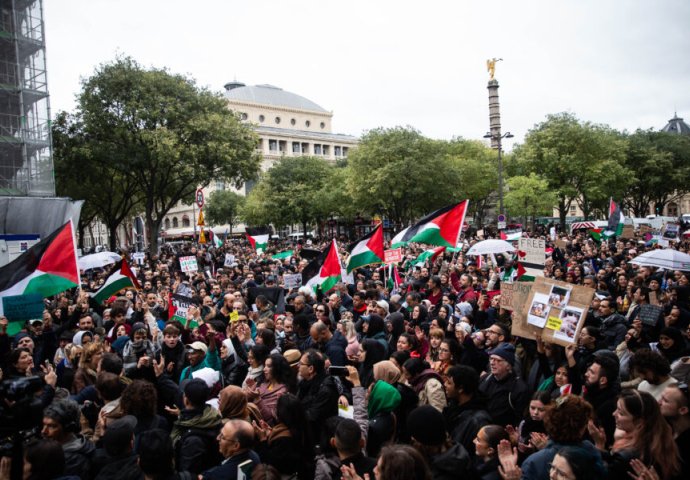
539 310
569 320
559 296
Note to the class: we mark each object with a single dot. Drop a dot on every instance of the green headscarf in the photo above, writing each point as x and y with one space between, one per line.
384 398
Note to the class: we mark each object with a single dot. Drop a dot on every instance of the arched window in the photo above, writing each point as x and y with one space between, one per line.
185 221
175 225
167 224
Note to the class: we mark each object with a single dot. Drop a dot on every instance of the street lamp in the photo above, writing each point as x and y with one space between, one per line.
498 139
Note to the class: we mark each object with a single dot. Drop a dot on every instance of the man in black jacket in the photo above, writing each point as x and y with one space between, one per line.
195 433
507 394
466 412
601 381
317 392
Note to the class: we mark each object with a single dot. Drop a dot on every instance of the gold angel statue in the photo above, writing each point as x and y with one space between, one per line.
491 67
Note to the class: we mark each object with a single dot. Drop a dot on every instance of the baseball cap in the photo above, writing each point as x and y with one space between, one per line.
199 346
35 320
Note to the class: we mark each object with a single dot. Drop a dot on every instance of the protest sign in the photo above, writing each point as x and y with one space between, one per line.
181 305
347 278
229 260
392 256
534 250
514 295
555 310
293 280
562 244
650 314
139 257
188 264
628 231
20 308
671 231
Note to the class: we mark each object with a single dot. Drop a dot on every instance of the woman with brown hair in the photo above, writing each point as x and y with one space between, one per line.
232 403
641 433
88 364
396 462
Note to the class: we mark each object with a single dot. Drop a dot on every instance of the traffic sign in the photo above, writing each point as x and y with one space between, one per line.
199 198
501 225
501 218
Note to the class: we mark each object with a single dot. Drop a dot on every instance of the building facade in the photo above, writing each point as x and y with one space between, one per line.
287 125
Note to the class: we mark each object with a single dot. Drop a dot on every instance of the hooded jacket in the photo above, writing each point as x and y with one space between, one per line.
78 454
613 329
452 464
464 421
194 439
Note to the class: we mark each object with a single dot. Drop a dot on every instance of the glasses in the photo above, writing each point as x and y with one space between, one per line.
445 350
491 332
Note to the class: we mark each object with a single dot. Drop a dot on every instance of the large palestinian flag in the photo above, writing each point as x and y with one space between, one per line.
46 269
367 250
121 277
616 219
324 271
258 238
440 228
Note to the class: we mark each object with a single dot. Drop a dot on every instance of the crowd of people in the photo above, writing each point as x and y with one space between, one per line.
416 380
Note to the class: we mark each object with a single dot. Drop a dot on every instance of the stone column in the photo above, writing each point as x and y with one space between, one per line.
494 114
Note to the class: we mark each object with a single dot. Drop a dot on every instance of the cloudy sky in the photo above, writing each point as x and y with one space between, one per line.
398 62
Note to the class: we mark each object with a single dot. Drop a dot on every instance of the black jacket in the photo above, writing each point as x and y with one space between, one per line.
464 421
507 398
319 396
604 404
452 464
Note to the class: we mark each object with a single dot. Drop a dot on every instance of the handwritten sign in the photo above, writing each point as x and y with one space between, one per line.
534 250
553 323
514 295
188 264
392 256
20 308
229 260
293 280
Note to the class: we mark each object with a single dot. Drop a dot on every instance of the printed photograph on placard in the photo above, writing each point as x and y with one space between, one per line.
559 296
539 310
570 317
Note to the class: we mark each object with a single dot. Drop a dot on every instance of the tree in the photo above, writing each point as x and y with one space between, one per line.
580 161
476 166
86 170
660 165
400 174
529 196
170 135
223 207
289 193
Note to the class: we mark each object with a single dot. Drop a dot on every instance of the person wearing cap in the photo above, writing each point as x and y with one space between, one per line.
266 309
44 338
195 432
507 394
446 458
201 356
117 459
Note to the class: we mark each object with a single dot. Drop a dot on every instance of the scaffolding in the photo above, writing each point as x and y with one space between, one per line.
26 161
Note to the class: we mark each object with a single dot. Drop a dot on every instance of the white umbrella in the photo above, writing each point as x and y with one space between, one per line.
98 260
487 247
668 259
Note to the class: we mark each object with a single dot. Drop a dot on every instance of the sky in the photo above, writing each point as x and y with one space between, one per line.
384 63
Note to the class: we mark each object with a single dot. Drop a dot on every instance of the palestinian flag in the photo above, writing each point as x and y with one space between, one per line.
598 234
432 253
46 269
514 274
258 242
217 241
283 255
120 278
367 250
324 271
394 280
616 219
511 235
441 228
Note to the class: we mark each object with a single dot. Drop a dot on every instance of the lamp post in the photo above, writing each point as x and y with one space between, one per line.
497 138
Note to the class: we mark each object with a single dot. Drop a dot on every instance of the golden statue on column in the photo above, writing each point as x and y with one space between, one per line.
491 67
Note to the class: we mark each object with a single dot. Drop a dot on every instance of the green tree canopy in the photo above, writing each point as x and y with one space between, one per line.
660 163
170 135
529 196
580 161
224 207
400 174
289 193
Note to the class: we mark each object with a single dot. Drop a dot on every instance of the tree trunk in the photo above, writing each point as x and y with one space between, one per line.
80 231
153 227
562 211
304 229
112 235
